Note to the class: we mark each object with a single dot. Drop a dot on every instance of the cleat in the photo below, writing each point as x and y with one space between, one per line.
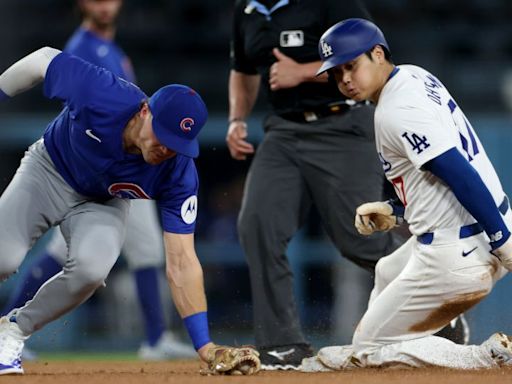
313 364
11 344
168 347
499 347
284 357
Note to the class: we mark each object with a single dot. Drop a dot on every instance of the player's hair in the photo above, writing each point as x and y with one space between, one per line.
387 54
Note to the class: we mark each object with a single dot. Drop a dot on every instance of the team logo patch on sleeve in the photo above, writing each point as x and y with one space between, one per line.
189 210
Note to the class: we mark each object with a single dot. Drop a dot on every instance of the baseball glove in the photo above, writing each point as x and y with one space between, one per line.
375 216
224 360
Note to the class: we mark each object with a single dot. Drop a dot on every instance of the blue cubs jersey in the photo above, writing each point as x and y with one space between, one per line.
85 142
101 52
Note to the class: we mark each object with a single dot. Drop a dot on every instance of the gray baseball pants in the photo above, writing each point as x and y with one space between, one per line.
330 163
38 198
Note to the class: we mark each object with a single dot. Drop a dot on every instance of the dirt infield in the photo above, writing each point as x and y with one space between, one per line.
186 372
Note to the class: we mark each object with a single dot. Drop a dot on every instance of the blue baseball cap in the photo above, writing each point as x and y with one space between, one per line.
179 113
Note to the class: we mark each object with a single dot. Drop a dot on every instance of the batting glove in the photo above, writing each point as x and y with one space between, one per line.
504 254
375 216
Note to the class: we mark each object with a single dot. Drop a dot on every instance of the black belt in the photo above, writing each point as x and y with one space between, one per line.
466 230
314 114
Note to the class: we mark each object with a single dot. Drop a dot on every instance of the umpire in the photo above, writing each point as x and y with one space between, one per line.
318 149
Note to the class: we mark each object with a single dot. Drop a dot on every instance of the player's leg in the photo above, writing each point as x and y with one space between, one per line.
42 268
36 198
144 251
27 208
436 285
94 234
273 208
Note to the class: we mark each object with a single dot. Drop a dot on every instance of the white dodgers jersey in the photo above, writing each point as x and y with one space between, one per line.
416 120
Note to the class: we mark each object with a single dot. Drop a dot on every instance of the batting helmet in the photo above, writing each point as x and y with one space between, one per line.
346 40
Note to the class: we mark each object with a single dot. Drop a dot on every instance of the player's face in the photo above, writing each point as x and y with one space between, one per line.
152 150
359 79
102 13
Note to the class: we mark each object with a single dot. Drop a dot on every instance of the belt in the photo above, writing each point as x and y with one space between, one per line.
314 114
466 230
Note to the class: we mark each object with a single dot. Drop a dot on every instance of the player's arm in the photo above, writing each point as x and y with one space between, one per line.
469 188
27 72
185 277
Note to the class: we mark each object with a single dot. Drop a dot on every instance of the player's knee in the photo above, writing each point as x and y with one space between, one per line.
88 275
384 273
86 280
10 259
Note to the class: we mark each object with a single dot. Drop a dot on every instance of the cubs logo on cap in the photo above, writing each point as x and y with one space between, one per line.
179 113
186 124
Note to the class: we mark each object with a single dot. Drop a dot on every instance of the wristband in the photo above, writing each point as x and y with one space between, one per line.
3 95
498 239
197 327
398 207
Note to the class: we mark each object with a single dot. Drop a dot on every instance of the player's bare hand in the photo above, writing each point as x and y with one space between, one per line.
285 72
239 148
504 254
375 216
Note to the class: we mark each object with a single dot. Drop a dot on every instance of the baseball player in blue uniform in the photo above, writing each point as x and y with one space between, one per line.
449 194
143 250
109 144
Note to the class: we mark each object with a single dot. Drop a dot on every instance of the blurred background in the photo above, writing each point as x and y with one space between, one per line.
467 44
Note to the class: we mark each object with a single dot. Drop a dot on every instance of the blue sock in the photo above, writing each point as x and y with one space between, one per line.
31 280
149 298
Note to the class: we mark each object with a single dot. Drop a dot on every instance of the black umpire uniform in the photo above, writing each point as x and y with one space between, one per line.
318 149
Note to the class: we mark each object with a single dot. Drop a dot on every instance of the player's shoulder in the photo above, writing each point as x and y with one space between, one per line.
403 97
178 174
181 167
405 89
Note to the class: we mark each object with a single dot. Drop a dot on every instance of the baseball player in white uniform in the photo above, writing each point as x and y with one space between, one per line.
451 197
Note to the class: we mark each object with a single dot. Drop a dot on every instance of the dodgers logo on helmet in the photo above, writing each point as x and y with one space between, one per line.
326 49
127 191
186 124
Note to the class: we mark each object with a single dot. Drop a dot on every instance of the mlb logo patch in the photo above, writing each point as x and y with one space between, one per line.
291 39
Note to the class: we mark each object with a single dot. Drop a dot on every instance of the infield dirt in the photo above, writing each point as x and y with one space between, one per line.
187 372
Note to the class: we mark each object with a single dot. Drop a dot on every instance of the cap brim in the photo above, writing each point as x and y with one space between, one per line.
326 65
178 144
334 61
